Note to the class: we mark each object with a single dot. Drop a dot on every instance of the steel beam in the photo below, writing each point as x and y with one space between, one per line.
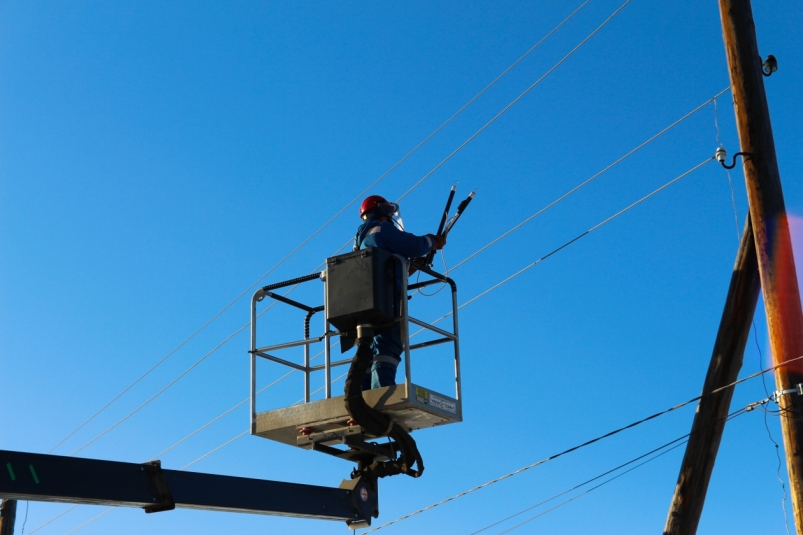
53 478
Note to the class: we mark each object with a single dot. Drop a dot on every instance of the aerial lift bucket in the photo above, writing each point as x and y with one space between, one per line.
367 287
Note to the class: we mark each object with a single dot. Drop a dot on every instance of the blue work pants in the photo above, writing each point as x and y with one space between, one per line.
387 349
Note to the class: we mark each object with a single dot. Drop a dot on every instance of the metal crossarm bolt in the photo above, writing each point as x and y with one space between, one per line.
798 389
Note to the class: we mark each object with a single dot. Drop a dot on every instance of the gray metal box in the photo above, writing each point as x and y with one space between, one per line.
360 288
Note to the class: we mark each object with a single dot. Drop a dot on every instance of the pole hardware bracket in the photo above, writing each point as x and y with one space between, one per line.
721 154
798 389
165 500
769 65
364 497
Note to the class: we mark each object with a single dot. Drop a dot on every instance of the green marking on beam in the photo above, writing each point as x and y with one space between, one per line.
11 472
33 473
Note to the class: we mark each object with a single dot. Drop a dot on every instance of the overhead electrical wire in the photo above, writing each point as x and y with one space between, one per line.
589 231
61 514
505 109
586 482
510 105
617 476
624 210
593 177
655 450
406 193
584 183
515 100
473 299
730 417
171 383
460 307
205 455
595 227
566 244
683 440
327 223
221 344
73 530
583 445
573 190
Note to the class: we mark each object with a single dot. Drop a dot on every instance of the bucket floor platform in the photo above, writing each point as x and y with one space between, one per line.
321 424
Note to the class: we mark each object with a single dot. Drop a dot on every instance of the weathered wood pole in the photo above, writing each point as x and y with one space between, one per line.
709 420
773 243
8 514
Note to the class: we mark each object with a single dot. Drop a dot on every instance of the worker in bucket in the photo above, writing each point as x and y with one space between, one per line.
383 228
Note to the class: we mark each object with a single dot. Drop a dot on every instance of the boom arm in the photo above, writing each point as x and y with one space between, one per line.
53 478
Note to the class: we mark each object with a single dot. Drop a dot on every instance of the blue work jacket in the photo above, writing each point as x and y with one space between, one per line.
385 235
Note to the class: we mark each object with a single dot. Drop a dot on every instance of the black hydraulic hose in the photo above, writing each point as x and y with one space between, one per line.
377 424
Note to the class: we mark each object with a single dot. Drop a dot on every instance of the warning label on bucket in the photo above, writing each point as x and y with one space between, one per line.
442 404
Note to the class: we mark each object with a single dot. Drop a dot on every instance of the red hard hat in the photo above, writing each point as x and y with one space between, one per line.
370 203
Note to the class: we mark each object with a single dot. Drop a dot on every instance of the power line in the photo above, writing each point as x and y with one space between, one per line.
322 227
213 420
520 271
205 455
143 376
589 231
594 176
529 266
160 392
515 100
617 476
308 239
73 530
207 424
474 299
248 430
580 446
174 381
465 260
631 152
505 109
54 518
684 440
586 482
581 485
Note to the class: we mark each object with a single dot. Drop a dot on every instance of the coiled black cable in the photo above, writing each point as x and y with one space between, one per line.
377 424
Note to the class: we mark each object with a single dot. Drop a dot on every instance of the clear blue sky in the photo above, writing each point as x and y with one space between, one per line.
157 158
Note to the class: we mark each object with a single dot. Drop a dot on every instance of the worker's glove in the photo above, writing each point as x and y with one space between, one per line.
440 242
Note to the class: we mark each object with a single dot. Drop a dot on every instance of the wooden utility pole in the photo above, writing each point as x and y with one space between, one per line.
8 514
773 243
709 420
